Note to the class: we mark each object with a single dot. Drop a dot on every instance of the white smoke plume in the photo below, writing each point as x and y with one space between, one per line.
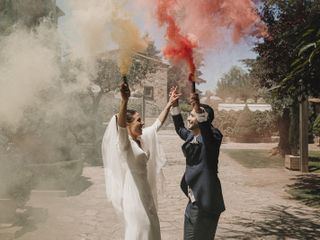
28 65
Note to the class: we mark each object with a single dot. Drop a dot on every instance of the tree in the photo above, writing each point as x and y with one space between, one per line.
109 76
236 84
316 126
6 15
276 66
302 80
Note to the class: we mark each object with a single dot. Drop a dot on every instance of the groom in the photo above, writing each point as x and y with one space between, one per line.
200 182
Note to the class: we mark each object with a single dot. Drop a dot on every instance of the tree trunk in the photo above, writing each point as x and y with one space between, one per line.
294 129
284 125
95 159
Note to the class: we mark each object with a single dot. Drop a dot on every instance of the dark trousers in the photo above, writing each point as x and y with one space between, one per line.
199 225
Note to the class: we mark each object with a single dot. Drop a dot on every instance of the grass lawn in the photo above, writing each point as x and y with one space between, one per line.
255 158
314 161
306 187
260 158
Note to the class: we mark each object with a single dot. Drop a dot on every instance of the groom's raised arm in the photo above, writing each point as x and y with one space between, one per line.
179 123
176 113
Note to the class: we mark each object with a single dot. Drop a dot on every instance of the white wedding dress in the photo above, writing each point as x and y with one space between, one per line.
130 174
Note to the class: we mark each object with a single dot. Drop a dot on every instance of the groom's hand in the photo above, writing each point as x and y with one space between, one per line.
195 102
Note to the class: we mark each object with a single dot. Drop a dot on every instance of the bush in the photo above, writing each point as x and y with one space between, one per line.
316 126
15 178
262 124
225 121
265 123
245 126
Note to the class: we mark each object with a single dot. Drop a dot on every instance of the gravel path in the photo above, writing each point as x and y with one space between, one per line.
257 205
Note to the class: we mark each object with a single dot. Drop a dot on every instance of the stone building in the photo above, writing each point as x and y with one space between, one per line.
153 88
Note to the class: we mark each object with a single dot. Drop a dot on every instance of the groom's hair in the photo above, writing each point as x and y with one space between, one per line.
209 110
129 115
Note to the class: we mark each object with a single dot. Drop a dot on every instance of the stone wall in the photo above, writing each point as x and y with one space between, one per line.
155 89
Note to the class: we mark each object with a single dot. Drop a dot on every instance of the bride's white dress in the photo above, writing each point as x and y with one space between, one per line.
130 174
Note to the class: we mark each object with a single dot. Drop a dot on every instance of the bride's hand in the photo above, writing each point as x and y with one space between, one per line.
174 97
125 92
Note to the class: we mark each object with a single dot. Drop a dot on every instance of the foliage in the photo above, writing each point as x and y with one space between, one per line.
109 77
15 177
288 58
6 15
236 84
52 129
304 70
245 125
316 126
225 121
262 124
282 65
265 123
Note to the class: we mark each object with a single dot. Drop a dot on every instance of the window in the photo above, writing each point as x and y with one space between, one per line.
148 93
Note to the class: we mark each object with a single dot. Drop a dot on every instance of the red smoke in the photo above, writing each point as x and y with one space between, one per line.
206 21
179 48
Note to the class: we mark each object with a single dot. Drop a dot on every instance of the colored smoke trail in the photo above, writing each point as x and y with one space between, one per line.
179 48
88 28
206 21
100 23
126 35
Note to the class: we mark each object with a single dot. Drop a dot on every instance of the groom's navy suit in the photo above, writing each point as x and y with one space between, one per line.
200 182
202 165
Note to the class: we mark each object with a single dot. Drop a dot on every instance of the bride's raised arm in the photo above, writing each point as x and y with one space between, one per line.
121 121
125 94
173 98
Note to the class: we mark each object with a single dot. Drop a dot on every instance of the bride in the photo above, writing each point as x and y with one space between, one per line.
132 160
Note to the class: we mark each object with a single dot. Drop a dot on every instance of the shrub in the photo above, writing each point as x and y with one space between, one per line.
225 121
262 124
15 178
316 126
265 123
245 126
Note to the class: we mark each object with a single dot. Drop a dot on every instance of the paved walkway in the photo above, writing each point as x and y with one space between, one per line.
257 206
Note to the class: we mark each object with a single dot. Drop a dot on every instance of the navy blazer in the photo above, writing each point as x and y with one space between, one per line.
201 173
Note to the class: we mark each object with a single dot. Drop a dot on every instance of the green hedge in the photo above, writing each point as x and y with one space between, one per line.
316 126
246 123
245 126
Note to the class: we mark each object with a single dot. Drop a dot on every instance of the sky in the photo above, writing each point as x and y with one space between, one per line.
216 61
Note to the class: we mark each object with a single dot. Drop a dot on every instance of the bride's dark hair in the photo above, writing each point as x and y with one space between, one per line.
129 115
